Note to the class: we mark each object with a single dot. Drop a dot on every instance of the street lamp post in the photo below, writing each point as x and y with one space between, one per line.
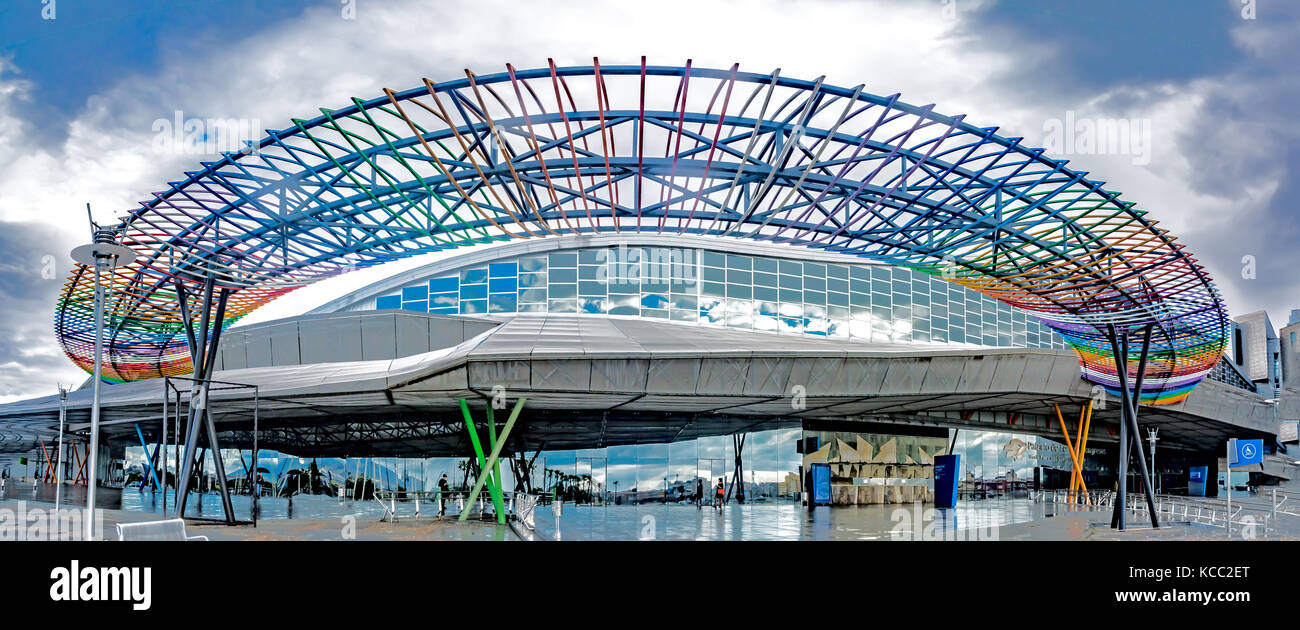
58 467
102 254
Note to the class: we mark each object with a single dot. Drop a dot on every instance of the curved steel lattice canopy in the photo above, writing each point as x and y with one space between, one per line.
665 149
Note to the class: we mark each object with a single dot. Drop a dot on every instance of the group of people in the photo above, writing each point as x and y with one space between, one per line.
719 494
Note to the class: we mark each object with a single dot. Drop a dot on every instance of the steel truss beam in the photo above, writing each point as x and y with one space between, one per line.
581 150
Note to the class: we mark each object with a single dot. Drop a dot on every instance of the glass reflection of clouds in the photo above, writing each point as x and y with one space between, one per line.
854 300
713 288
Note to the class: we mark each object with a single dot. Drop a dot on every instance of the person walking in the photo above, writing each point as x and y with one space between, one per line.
443 490
699 493
719 494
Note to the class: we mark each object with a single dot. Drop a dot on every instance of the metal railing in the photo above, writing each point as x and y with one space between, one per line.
391 501
1260 509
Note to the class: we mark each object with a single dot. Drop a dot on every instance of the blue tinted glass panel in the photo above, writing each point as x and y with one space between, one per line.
473 291
444 285
421 306
563 291
473 276
686 302
564 275
562 259
415 293
443 311
503 270
442 299
532 263
503 304
502 285
473 306
388 301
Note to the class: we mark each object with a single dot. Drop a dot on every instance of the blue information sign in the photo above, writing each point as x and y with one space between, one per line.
821 484
946 468
1245 452
1196 476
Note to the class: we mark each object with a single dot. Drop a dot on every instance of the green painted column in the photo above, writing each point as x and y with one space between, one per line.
496 453
499 495
484 472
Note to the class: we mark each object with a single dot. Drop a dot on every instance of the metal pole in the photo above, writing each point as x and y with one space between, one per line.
1151 435
1120 347
58 469
198 394
257 487
162 457
94 405
1227 483
1136 434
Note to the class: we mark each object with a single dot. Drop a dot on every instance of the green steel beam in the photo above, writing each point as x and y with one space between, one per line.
484 472
492 460
496 466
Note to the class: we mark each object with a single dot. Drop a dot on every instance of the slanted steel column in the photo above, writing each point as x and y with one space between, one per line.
203 355
148 462
738 480
484 472
198 342
485 465
1135 434
1129 400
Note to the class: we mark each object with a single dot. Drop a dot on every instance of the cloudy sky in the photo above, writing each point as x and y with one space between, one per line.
1210 84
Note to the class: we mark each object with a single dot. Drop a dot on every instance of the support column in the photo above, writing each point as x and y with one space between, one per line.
203 355
486 465
1129 400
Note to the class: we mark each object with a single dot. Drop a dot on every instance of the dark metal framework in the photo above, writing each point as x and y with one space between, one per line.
1128 426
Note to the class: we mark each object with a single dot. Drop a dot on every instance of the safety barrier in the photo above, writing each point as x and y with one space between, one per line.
392 500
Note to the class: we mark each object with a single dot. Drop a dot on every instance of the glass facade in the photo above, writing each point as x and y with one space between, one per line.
706 287
713 288
619 475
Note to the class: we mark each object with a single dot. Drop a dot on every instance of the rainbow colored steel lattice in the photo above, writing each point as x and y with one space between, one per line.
664 149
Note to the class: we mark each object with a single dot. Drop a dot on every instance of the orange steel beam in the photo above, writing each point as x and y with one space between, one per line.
82 468
1078 439
1083 445
1070 446
49 466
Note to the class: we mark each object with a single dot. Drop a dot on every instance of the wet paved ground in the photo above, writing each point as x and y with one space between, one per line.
321 518
780 522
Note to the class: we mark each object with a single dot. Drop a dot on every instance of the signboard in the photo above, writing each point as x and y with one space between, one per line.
1196 476
821 484
946 473
1245 452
